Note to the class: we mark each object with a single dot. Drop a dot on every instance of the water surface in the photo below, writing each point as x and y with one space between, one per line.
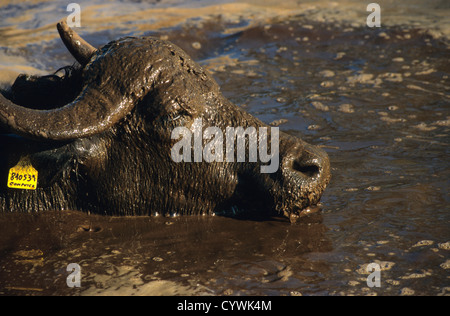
376 99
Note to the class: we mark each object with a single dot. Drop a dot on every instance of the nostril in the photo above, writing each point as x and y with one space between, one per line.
310 170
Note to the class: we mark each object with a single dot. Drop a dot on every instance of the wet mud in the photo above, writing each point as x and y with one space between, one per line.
376 99
125 255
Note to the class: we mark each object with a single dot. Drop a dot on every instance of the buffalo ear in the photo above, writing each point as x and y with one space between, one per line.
52 162
52 165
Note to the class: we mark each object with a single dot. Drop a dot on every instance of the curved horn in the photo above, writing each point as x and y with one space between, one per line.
89 114
107 97
78 47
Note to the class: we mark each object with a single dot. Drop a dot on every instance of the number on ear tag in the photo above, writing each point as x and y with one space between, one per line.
23 176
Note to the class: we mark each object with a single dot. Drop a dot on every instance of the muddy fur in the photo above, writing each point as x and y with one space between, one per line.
127 169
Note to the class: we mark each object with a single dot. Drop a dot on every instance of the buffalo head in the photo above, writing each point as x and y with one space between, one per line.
101 139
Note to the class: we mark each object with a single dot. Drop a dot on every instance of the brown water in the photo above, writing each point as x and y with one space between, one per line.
377 100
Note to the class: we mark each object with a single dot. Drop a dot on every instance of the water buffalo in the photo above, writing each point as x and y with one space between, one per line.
100 139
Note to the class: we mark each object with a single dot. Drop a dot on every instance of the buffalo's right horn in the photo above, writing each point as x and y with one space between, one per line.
89 114
104 100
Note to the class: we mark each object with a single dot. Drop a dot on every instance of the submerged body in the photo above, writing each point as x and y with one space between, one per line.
108 150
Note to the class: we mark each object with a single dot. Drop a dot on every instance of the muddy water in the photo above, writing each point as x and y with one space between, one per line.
377 100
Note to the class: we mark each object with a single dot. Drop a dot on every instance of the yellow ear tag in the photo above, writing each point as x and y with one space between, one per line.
23 176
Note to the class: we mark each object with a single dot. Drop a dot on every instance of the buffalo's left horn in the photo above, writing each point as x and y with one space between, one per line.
78 47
